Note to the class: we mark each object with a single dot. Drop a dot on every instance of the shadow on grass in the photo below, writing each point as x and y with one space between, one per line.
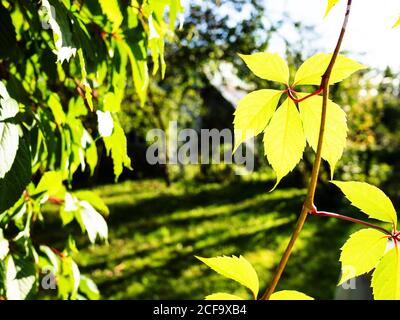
154 238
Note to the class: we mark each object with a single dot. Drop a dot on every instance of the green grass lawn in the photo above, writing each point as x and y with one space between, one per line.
155 232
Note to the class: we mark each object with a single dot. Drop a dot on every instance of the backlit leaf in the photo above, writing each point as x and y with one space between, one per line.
335 128
386 277
361 252
269 66
238 269
111 9
253 114
331 4
397 23
284 139
60 24
116 144
311 71
369 199
9 137
289 295
222 296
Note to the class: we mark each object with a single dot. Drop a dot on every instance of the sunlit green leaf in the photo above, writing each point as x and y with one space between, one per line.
9 136
238 269
253 114
311 71
269 66
284 140
362 252
289 295
386 277
331 4
397 23
335 128
369 199
222 296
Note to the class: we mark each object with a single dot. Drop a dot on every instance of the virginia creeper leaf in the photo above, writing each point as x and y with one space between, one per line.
386 277
253 114
289 295
361 253
284 139
335 128
369 199
311 71
238 269
331 4
222 296
269 66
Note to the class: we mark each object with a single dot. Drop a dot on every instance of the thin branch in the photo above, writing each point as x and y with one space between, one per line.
308 205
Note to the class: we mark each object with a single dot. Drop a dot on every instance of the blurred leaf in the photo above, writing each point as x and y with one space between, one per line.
94 200
9 136
92 221
105 123
16 180
331 4
397 23
51 183
60 23
112 11
56 108
116 144
20 278
89 288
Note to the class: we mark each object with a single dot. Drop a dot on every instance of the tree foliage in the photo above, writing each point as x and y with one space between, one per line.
64 69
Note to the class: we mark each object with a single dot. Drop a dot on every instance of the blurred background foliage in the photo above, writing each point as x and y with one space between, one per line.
161 216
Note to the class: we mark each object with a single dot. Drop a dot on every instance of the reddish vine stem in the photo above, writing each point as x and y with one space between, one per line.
308 205
346 218
292 96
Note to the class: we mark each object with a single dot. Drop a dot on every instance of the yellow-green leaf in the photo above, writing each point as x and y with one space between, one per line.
386 277
369 199
311 71
111 9
284 140
253 114
223 296
238 269
289 295
397 23
331 4
269 66
335 128
362 252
